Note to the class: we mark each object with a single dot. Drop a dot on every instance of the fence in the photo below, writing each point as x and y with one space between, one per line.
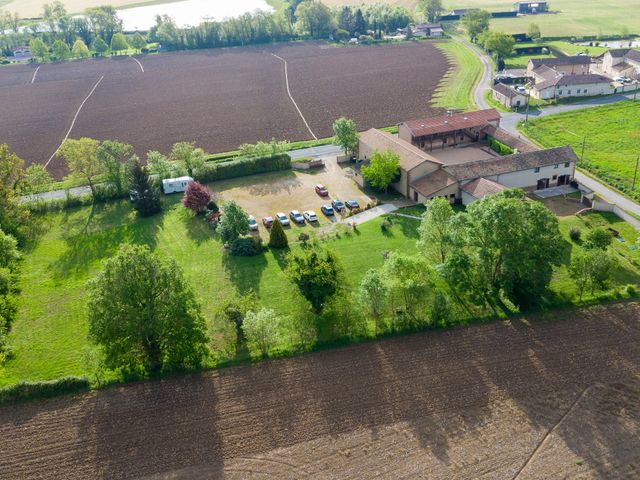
602 206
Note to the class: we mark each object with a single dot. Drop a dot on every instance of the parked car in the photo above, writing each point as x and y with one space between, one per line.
296 216
322 190
337 205
351 204
267 222
310 216
282 218
619 79
327 210
253 225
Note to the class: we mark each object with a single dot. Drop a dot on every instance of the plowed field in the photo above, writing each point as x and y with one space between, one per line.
218 98
524 399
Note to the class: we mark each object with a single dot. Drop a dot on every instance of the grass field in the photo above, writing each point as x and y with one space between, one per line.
33 8
455 89
612 134
49 338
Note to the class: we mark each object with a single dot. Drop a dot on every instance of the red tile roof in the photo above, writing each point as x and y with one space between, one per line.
410 156
449 123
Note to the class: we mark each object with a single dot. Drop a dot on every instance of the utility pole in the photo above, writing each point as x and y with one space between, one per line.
584 140
635 172
526 113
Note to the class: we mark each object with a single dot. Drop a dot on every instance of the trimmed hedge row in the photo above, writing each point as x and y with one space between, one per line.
31 390
243 167
499 147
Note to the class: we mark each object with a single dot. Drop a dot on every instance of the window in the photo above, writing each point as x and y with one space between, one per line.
556 166
453 195
584 91
555 177
536 170
566 165
569 92
560 92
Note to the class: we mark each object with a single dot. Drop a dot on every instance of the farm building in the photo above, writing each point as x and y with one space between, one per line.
468 170
423 30
508 96
448 130
566 86
526 8
622 62
579 64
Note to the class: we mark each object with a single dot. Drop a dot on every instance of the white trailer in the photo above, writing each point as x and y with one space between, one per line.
172 185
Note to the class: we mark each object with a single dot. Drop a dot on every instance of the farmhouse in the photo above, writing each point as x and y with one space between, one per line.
525 8
463 168
579 64
622 62
448 130
508 96
423 30
565 86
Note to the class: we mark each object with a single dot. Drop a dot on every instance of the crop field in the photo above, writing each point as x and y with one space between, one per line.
610 134
217 98
550 396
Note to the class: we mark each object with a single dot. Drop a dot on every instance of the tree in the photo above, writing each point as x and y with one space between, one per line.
60 50
373 295
234 222
82 159
186 154
261 330
359 23
116 159
435 230
100 46
9 259
431 9
346 135
476 22
534 32
498 43
235 308
318 276
15 219
315 18
35 176
599 238
80 49
591 269
196 197
104 22
38 49
119 43
159 164
144 314
145 193
383 169
277 237
138 41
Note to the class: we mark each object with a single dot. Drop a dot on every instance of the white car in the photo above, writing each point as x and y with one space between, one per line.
253 225
310 216
282 218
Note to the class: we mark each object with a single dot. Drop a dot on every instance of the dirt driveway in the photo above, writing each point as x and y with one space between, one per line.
264 195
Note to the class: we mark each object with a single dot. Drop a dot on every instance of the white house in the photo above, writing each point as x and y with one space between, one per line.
567 86
622 62
173 185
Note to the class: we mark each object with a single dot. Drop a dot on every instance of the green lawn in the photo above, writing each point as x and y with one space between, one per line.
568 48
611 134
521 61
455 89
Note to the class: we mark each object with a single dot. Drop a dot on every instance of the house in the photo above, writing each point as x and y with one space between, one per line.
568 65
566 86
526 8
426 30
459 11
621 62
21 53
465 172
508 96
448 130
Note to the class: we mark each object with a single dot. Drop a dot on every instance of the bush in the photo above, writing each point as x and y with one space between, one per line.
631 290
277 237
246 246
385 225
243 167
599 238
574 234
32 390
196 197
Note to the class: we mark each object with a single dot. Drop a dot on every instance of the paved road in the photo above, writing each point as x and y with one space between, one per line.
487 74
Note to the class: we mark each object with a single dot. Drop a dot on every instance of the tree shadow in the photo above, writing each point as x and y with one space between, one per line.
245 272
196 227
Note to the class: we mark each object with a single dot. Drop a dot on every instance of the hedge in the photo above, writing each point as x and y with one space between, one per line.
243 167
499 147
32 390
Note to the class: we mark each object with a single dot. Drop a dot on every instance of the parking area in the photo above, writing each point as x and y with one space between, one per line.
266 194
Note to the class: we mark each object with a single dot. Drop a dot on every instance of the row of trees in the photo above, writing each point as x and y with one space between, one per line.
60 50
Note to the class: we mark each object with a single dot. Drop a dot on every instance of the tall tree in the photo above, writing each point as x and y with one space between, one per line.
315 18
499 43
159 164
476 22
35 177
383 169
373 295
534 32
188 156
277 237
234 222
137 41
119 43
38 49
104 22
100 46
144 314
345 135
80 49
116 159
431 9
144 191
261 329
82 159
318 275
435 230
196 197
591 269
60 50
359 23
15 219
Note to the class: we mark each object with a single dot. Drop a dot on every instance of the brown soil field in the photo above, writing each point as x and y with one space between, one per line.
528 398
218 98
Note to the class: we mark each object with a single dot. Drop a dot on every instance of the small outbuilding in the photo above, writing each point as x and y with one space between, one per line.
508 96
174 185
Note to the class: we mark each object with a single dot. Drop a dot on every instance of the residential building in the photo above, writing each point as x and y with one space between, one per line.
530 7
622 62
508 96
579 64
424 30
566 86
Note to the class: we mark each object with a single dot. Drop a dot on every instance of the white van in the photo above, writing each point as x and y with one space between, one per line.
173 185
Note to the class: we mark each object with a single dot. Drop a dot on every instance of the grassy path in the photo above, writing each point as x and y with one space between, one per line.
457 86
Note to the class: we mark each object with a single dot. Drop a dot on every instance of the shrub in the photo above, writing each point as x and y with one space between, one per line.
385 225
243 167
31 390
196 197
277 237
246 246
631 290
574 234
599 238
